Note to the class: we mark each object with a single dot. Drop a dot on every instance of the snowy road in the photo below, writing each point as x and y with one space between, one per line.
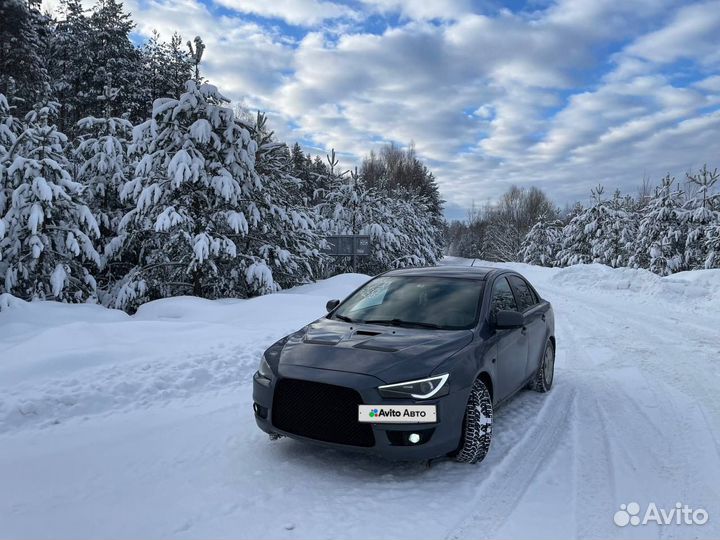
142 427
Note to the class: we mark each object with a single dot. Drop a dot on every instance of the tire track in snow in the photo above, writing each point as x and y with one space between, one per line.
510 478
654 438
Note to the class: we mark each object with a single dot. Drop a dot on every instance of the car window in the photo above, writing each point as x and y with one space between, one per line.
371 295
502 297
438 302
525 296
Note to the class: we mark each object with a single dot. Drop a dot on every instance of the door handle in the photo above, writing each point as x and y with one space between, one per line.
543 316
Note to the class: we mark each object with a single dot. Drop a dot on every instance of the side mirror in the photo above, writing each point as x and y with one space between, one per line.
509 319
332 304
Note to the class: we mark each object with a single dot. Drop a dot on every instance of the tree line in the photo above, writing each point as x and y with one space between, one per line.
671 227
125 176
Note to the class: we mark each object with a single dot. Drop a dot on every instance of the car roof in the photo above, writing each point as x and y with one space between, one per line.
479 273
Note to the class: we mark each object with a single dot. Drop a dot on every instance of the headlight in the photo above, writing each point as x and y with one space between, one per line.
420 389
264 369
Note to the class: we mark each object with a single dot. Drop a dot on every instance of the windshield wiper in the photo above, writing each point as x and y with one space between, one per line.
344 318
400 322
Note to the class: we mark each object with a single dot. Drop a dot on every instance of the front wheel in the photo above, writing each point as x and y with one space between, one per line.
477 425
546 372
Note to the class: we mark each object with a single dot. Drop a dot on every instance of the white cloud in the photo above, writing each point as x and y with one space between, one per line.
299 12
692 33
421 9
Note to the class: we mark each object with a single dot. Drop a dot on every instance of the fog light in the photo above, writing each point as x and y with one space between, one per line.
414 438
260 410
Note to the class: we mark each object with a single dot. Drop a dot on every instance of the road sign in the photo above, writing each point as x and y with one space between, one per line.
347 245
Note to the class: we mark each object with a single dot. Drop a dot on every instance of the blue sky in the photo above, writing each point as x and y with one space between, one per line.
562 94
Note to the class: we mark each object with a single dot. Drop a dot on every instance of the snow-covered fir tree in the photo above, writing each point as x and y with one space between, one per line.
72 67
47 241
103 168
712 246
422 239
10 127
166 68
575 245
600 233
702 215
288 242
204 221
542 243
611 230
24 33
660 241
115 58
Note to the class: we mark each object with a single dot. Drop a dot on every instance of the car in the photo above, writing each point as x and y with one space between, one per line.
411 365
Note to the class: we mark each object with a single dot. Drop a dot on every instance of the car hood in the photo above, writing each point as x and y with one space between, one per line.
390 353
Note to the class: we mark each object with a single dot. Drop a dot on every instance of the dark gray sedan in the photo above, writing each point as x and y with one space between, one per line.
411 365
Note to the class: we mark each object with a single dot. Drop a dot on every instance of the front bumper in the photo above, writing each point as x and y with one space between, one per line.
390 440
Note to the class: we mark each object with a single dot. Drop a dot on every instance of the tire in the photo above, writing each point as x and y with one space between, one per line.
546 372
477 425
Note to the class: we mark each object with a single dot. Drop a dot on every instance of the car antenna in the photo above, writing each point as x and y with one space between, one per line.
473 262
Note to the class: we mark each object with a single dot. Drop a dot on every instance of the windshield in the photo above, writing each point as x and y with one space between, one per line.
415 301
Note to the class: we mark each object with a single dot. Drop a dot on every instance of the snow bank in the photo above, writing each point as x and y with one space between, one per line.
688 288
59 361
698 286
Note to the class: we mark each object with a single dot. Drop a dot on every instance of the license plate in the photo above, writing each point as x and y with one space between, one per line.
397 414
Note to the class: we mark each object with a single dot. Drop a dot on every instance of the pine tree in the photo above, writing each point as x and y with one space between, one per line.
73 64
542 243
116 58
205 221
103 169
166 68
302 169
611 230
24 34
712 246
575 245
10 127
701 213
47 247
289 244
661 238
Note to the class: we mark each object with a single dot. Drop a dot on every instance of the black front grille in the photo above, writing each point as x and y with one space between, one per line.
320 411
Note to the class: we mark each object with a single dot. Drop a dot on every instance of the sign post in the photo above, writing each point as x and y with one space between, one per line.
348 245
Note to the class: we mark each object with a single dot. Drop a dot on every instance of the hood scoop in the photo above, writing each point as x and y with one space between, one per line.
319 337
386 342
369 345
367 333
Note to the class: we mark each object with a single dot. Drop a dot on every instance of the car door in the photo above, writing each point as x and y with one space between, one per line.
512 344
528 304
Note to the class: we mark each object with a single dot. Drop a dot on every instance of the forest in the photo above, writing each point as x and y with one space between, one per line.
126 176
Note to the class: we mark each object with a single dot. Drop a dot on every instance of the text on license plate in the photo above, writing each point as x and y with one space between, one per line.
398 414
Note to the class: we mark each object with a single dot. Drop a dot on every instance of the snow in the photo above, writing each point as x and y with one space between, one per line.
105 416
36 217
57 279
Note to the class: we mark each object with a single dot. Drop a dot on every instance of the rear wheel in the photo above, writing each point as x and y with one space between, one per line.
477 425
546 372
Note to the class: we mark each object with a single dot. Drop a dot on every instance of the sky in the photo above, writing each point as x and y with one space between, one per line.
563 95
